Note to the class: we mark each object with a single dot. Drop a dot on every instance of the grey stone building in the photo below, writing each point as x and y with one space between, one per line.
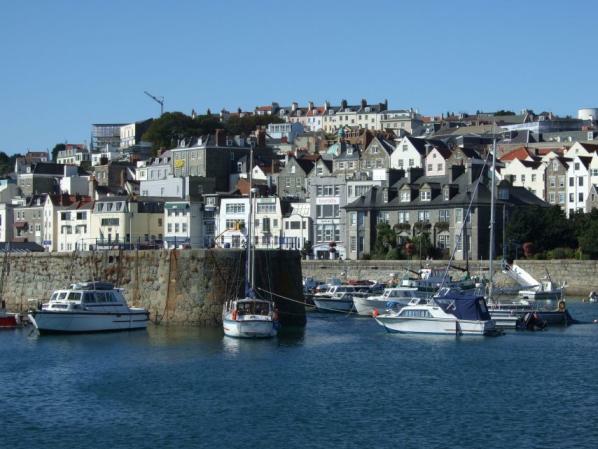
42 177
328 196
213 156
556 181
377 154
292 178
29 220
436 206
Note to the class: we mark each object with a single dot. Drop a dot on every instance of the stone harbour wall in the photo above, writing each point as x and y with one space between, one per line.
581 276
183 286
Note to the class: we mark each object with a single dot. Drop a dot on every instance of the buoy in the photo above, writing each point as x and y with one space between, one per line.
375 313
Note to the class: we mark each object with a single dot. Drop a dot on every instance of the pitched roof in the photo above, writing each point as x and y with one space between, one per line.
585 160
520 153
306 164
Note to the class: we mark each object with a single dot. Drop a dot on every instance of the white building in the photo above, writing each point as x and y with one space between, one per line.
409 153
578 184
6 222
267 222
74 227
183 225
73 155
75 185
528 174
233 218
297 227
107 154
286 131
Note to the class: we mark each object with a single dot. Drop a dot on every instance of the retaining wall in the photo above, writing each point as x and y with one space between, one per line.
185 287
581 276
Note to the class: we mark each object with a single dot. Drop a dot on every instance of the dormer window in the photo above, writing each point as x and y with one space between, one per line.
350 150
375 149
446 194
425 195
405 196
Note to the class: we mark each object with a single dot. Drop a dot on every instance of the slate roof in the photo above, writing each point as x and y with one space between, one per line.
48 168
373 199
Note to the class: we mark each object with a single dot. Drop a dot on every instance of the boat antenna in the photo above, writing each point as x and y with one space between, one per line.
492 201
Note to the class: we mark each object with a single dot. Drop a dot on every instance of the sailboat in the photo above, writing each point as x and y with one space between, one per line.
521 312
249 316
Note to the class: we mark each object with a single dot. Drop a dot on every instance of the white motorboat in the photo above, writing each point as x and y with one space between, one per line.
396 295
88 307
451 313
250 317
338 298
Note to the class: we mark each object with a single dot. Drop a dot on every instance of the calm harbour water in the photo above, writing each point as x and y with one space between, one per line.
340 382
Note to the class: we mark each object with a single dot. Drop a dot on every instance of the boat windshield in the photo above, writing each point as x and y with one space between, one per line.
253 308
74 296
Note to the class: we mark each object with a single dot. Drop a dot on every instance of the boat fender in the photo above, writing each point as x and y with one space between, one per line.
562 305
234 315
375 313
275 315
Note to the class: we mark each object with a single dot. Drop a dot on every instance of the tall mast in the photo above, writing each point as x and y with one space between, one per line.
250 253
492 200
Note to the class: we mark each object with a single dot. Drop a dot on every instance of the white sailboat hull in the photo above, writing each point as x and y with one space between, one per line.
80 322
446 326
249 328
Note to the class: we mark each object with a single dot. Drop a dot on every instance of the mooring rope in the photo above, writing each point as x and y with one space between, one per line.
351 312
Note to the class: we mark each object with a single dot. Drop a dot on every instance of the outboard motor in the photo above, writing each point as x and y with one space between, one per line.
531 321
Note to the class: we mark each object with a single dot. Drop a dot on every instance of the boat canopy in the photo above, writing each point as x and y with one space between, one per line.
463 306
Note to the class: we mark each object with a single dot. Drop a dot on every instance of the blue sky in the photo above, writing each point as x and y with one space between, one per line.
67 64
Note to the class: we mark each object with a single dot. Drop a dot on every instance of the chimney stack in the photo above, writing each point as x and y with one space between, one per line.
294 106
364 103
220 137
260 138
343 104
310 105
326 105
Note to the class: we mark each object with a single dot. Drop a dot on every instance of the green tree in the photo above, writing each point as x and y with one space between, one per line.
166 131
58 147
386 239
588 239
7 163
503 112
423 246
546 227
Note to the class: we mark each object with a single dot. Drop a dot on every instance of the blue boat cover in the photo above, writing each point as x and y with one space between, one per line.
463 306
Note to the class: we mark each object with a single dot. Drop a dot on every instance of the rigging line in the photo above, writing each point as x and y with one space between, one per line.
464 224
304 304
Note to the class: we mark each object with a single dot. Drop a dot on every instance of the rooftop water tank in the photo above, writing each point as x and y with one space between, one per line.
587 114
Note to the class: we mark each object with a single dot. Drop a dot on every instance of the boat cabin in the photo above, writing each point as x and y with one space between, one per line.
253 307
82 295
